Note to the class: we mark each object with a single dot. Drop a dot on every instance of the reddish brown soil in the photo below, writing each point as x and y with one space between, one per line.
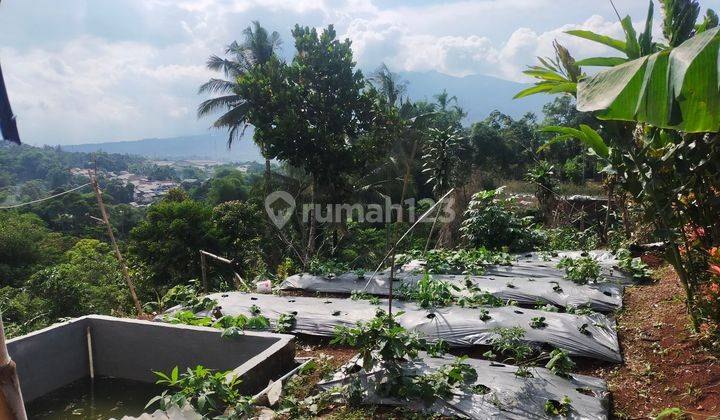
308 346
665 366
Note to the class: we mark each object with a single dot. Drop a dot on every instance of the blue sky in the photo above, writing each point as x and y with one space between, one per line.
86 70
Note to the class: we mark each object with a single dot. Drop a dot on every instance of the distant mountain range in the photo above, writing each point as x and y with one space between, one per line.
211 146
478 95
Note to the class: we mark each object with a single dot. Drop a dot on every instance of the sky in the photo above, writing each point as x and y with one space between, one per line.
80 71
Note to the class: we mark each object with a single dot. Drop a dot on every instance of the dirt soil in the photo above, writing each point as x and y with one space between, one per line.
665 366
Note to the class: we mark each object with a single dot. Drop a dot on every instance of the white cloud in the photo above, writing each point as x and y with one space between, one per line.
107 90
114 69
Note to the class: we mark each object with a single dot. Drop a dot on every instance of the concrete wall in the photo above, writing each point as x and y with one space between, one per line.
131 349
50 358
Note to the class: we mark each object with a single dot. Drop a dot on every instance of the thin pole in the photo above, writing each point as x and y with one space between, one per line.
108 226
11 401
203 271
239 282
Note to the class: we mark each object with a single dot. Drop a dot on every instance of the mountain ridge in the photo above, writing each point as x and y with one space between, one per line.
478 95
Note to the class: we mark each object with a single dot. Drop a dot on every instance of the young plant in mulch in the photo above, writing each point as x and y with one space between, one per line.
360 295
582 270
538 322
460 261
475 297
560 363
285 323
232 326
211 393
558 408
327 268
509 347
430 292
386 347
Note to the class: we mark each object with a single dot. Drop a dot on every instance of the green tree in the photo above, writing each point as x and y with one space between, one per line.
240 227
257 48
318 114
170 238
228 185
25 244
87 281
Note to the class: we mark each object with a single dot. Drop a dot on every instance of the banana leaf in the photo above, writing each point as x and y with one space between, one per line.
677 88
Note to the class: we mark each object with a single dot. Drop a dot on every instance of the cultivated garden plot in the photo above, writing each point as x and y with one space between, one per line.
591 336
497 392
531 279
522 284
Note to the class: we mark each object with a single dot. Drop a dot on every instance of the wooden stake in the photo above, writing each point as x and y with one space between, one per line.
203 271
91 364
11 402
123 266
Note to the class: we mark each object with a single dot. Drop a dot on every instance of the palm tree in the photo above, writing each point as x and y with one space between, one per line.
257 48
388 84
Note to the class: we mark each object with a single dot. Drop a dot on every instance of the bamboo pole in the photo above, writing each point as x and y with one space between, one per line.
11 402
239 280
116 248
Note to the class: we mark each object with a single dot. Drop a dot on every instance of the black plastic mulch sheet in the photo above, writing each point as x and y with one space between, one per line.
530 280
508 397
459 327
525 285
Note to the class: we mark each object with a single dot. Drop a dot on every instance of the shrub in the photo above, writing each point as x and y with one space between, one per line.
491 221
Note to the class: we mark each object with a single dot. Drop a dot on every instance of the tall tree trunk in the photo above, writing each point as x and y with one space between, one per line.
268 175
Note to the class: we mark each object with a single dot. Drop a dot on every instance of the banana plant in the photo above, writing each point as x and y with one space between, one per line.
677 88
634 46
555 75
585 134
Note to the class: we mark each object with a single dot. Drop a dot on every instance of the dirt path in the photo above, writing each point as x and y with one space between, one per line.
664 364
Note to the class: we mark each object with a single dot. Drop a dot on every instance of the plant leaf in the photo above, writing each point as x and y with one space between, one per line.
602 39
602 61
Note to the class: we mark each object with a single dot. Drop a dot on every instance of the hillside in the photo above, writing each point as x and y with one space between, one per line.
205 146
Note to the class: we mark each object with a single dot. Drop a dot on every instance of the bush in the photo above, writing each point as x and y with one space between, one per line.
491 221
88 281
